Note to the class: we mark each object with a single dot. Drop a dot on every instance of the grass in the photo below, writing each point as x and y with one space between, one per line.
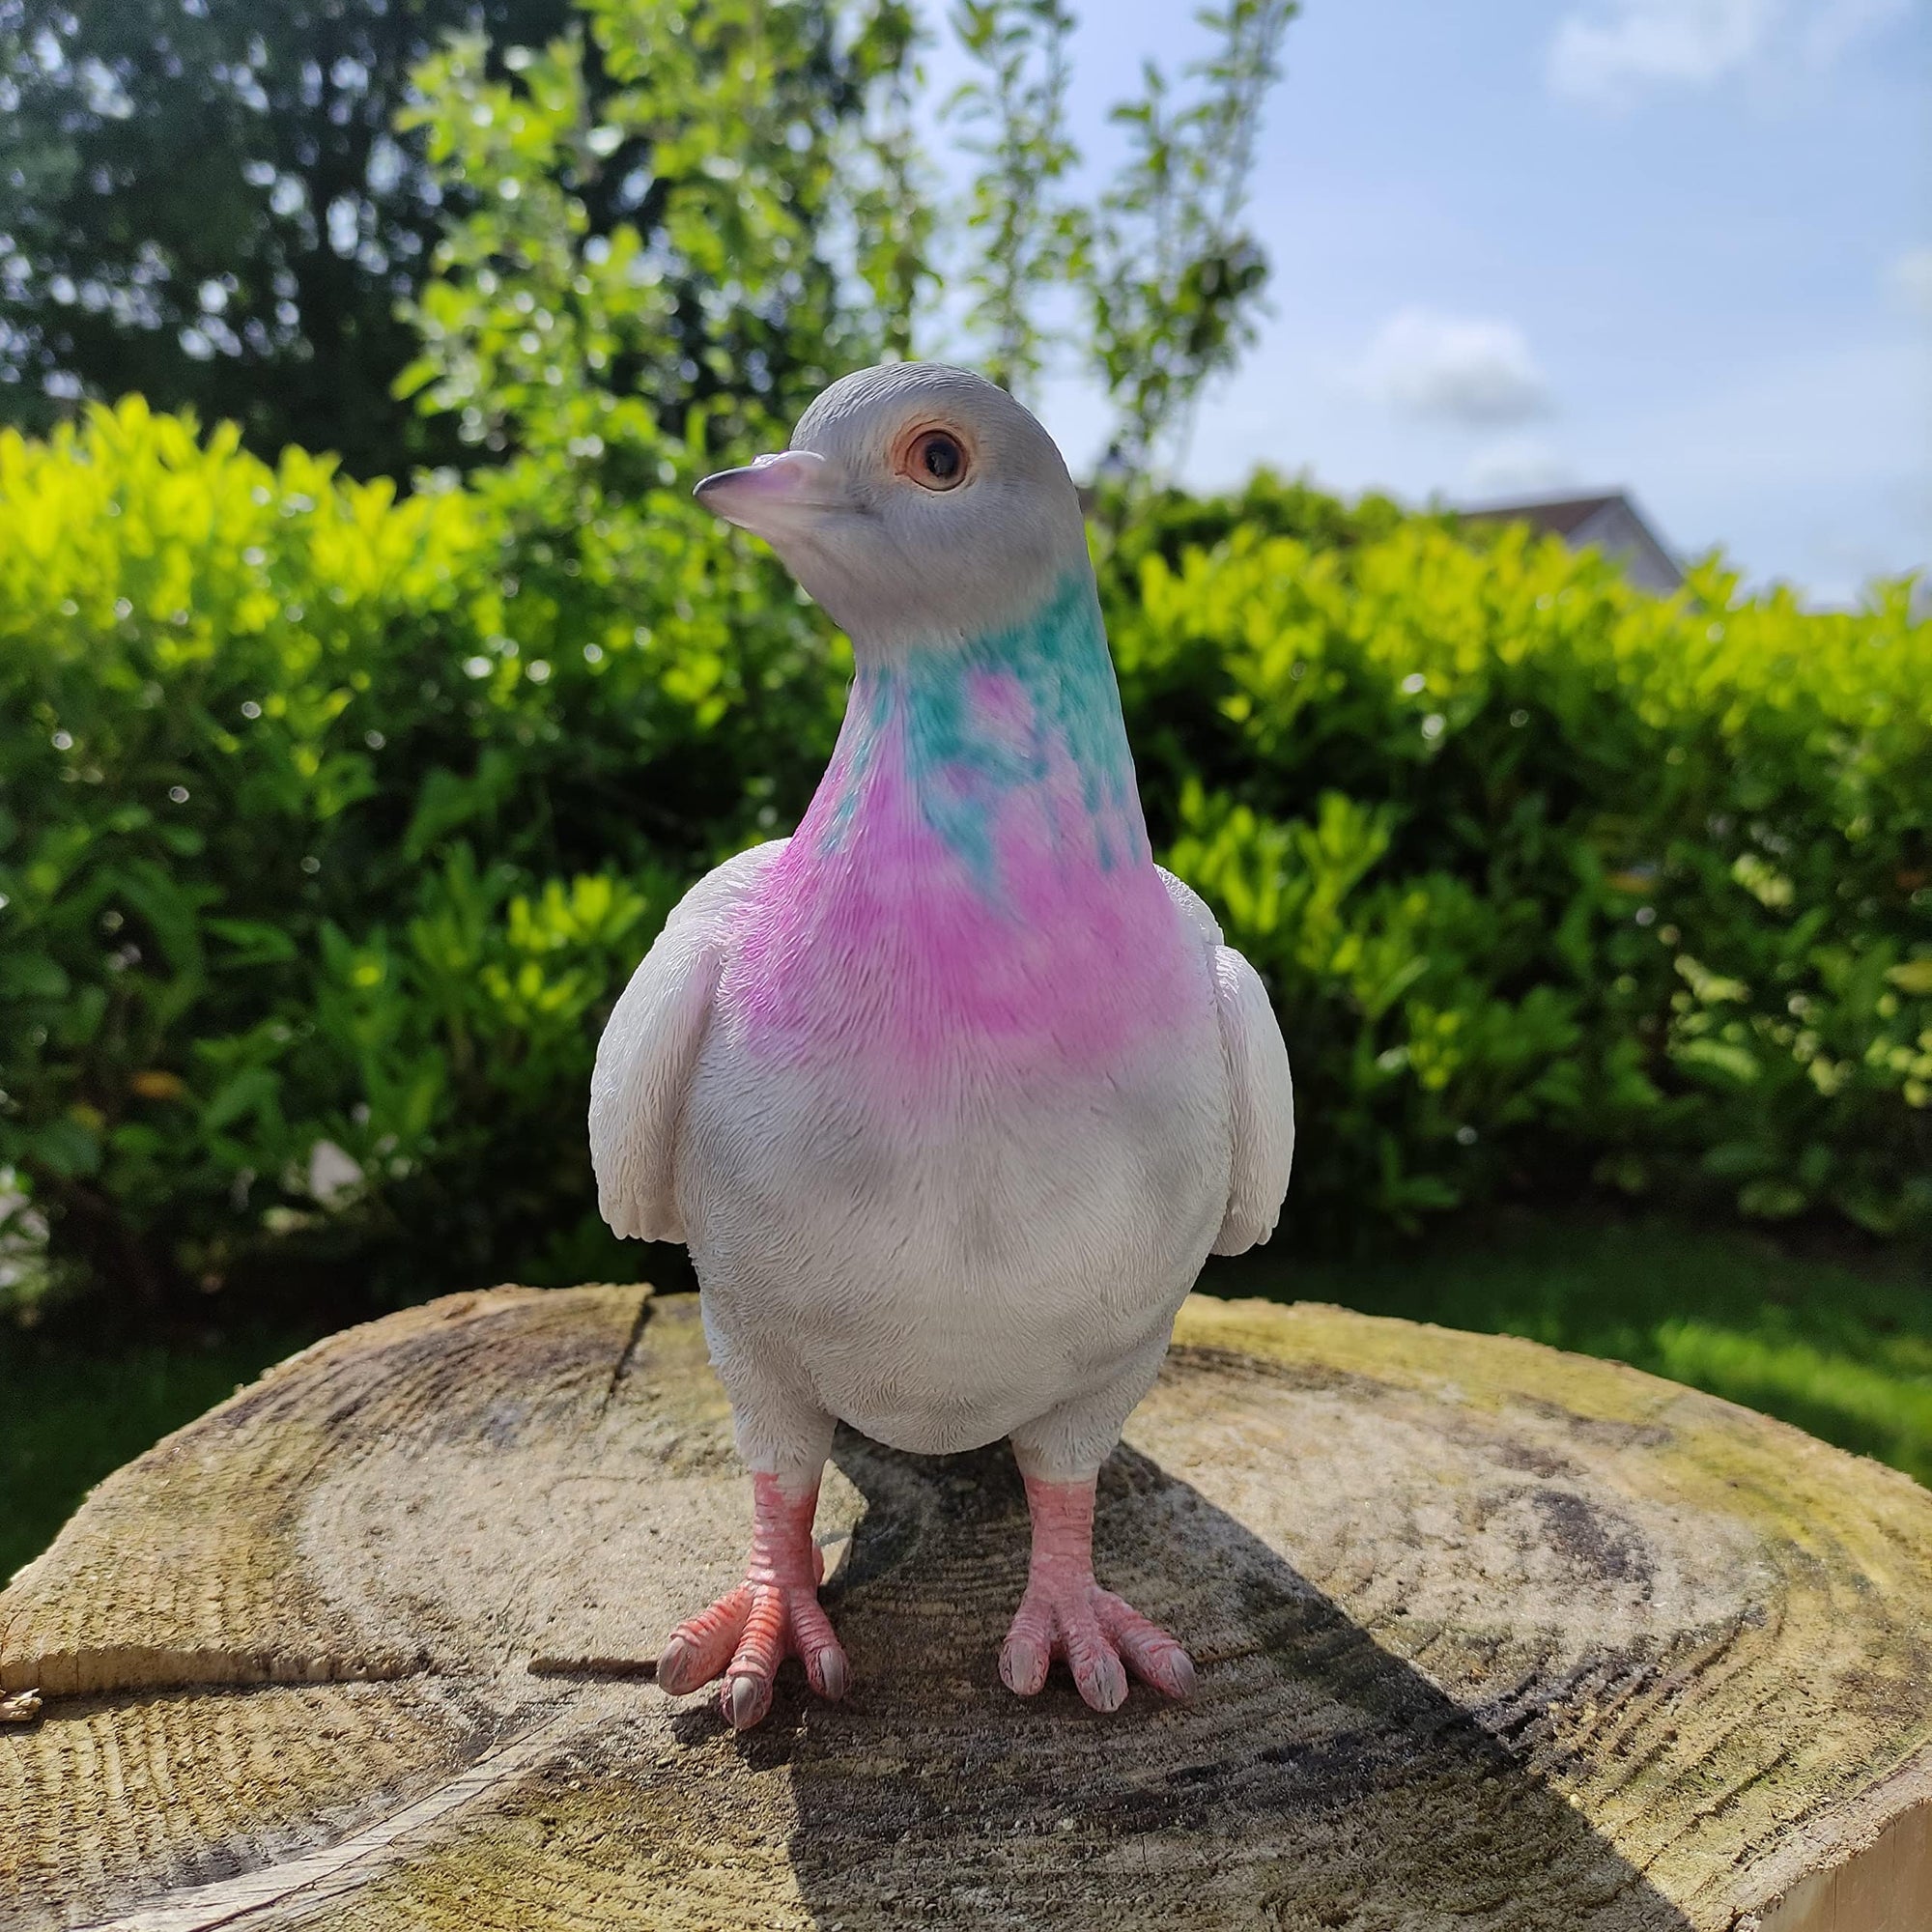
1843 1351
69 1415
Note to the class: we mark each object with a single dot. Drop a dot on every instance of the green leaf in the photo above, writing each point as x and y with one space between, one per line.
1735 1064
64 1147
1772 1200
1915 977
248 1091
31 975
252 941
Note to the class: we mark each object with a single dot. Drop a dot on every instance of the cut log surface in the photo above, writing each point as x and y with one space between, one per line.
1489 1638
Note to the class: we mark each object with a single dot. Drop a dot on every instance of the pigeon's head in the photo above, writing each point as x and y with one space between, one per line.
916 504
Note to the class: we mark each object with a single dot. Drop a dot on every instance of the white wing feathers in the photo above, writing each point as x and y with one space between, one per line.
1263 1104
649 1049
1261 1087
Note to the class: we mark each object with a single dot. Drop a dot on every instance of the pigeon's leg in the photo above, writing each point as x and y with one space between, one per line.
773 1614
1066 1614
776 1612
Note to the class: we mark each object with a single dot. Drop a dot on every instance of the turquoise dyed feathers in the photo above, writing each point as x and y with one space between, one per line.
1002 713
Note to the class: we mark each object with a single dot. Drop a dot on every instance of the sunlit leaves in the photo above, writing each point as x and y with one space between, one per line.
1174 278
681 223
333 818
1649 901
1029 237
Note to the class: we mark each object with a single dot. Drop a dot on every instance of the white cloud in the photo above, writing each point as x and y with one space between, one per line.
1910 278
1620 47
1457 369
1516 465
1610 51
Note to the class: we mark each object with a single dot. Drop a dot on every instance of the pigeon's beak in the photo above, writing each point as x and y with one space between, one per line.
773 496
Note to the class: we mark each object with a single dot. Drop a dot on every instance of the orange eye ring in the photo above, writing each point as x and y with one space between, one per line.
936 458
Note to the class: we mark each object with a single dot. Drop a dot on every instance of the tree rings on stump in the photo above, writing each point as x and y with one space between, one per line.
1489 1638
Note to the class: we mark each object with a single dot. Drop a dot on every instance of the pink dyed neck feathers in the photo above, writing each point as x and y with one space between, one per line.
975 868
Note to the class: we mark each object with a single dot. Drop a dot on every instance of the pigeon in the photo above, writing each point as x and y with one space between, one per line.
951 1093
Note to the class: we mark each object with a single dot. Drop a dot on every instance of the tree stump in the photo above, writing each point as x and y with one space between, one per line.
1488 1636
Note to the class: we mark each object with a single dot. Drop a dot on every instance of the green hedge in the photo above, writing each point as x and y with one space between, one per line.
332 823
324 828
1555 883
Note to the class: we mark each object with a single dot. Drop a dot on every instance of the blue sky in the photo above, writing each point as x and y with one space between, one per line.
1522 246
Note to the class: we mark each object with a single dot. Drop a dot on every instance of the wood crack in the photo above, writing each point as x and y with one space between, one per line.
622 1365
605 1670
128 1671
319 1876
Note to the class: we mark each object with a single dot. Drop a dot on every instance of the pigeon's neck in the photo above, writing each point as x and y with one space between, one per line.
989 755
971 890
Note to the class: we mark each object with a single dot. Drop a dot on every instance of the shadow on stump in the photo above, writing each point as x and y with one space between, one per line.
1317 1780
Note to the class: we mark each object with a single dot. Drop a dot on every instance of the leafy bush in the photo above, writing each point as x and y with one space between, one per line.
327 842
333 822
1555 881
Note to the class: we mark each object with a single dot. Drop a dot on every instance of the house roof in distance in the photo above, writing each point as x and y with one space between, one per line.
1607 519
1558 515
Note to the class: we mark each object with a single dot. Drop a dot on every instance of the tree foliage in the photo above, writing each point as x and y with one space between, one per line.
1176 278
1166 278
1030 238
690 251
204 202
253 212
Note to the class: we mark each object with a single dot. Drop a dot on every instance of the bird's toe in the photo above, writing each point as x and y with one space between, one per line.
1023 1663
1027 1655
699 1649
1101 1639
826 1671
1098 1674
678 1667
1154 1657
818 1648
743 1638
1169 1670
745 1699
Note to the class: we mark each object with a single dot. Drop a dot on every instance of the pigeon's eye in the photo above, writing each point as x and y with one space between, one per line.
935 460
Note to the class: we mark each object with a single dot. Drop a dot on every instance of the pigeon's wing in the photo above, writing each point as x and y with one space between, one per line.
1191 906
650 1049
1263 1104
1260 1087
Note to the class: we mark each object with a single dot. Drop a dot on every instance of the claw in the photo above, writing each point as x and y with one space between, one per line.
744 1700
1025 1659
1148 1650
1098 1671
826 1674
698 1650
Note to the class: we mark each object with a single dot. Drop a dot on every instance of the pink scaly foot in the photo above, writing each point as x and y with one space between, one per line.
773 1614
1066 1614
